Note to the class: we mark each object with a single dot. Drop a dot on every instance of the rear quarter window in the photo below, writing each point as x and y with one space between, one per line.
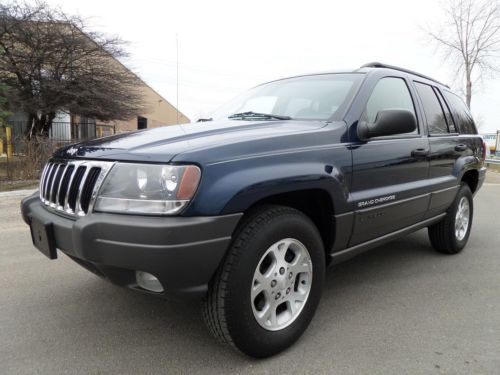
461 114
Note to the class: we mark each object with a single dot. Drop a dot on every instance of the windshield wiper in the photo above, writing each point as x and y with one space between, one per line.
204 119
251 114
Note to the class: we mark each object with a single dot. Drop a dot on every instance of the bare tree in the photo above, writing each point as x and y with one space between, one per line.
52 62
471 39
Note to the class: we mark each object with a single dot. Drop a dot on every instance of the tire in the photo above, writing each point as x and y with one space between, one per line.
443 235
233 302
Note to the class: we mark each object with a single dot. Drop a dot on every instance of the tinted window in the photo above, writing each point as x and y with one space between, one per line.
389 93
461 114
447 113
436 122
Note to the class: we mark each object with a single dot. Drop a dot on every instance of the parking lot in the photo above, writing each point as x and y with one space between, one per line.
399 309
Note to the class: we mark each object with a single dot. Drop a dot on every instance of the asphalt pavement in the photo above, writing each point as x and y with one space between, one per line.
398 309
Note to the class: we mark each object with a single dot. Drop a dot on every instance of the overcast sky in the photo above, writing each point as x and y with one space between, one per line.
226 47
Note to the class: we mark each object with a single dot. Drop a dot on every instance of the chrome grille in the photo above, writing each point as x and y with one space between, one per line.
71 186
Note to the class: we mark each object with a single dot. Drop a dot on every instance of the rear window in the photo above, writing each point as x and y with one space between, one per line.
436 121
447 113
461 114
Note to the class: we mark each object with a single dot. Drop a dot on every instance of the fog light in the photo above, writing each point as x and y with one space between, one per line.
148 281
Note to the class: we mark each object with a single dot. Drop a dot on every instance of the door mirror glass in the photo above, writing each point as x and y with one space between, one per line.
388 122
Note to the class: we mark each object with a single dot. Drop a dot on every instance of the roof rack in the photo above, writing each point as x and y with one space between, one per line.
381 65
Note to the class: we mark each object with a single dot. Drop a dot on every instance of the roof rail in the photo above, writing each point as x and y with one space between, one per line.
381 65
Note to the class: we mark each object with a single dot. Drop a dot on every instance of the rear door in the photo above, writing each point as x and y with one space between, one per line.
446 147
389 185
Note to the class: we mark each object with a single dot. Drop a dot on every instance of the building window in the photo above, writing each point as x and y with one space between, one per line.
142 123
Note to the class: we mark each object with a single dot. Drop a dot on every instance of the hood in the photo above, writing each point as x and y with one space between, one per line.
164 143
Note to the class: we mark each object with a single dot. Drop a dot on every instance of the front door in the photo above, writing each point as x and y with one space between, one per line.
389 184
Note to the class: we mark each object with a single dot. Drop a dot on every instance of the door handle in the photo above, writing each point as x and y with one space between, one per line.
420 152
460 147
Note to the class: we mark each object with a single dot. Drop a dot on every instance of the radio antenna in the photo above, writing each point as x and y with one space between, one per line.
177 76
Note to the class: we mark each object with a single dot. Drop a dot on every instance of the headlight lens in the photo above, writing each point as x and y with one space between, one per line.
148 189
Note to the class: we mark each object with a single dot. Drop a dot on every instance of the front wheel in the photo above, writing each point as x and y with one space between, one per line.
450 235
267 289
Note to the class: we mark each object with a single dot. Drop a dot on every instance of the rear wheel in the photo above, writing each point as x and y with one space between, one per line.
267 289
450 235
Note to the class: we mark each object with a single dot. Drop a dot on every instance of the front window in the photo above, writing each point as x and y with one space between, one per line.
315 97
389 93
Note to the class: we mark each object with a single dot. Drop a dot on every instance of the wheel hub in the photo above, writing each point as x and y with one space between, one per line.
462 218
281 284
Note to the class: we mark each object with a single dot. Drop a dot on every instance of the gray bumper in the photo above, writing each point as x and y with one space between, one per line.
182 252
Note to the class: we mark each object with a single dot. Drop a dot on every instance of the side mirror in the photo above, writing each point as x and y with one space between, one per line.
388 122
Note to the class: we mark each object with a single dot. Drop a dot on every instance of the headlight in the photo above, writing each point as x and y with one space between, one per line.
148 189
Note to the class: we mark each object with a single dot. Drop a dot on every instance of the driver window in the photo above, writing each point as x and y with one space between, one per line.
389 93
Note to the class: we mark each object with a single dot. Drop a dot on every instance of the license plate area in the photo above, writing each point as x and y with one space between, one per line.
42 234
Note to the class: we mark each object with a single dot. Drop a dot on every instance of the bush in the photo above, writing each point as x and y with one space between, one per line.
29 158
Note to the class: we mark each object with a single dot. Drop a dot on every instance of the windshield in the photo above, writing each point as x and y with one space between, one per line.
315 97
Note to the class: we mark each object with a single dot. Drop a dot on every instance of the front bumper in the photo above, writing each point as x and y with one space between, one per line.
182 252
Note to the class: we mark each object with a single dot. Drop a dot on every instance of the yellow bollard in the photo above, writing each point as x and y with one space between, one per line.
8 134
